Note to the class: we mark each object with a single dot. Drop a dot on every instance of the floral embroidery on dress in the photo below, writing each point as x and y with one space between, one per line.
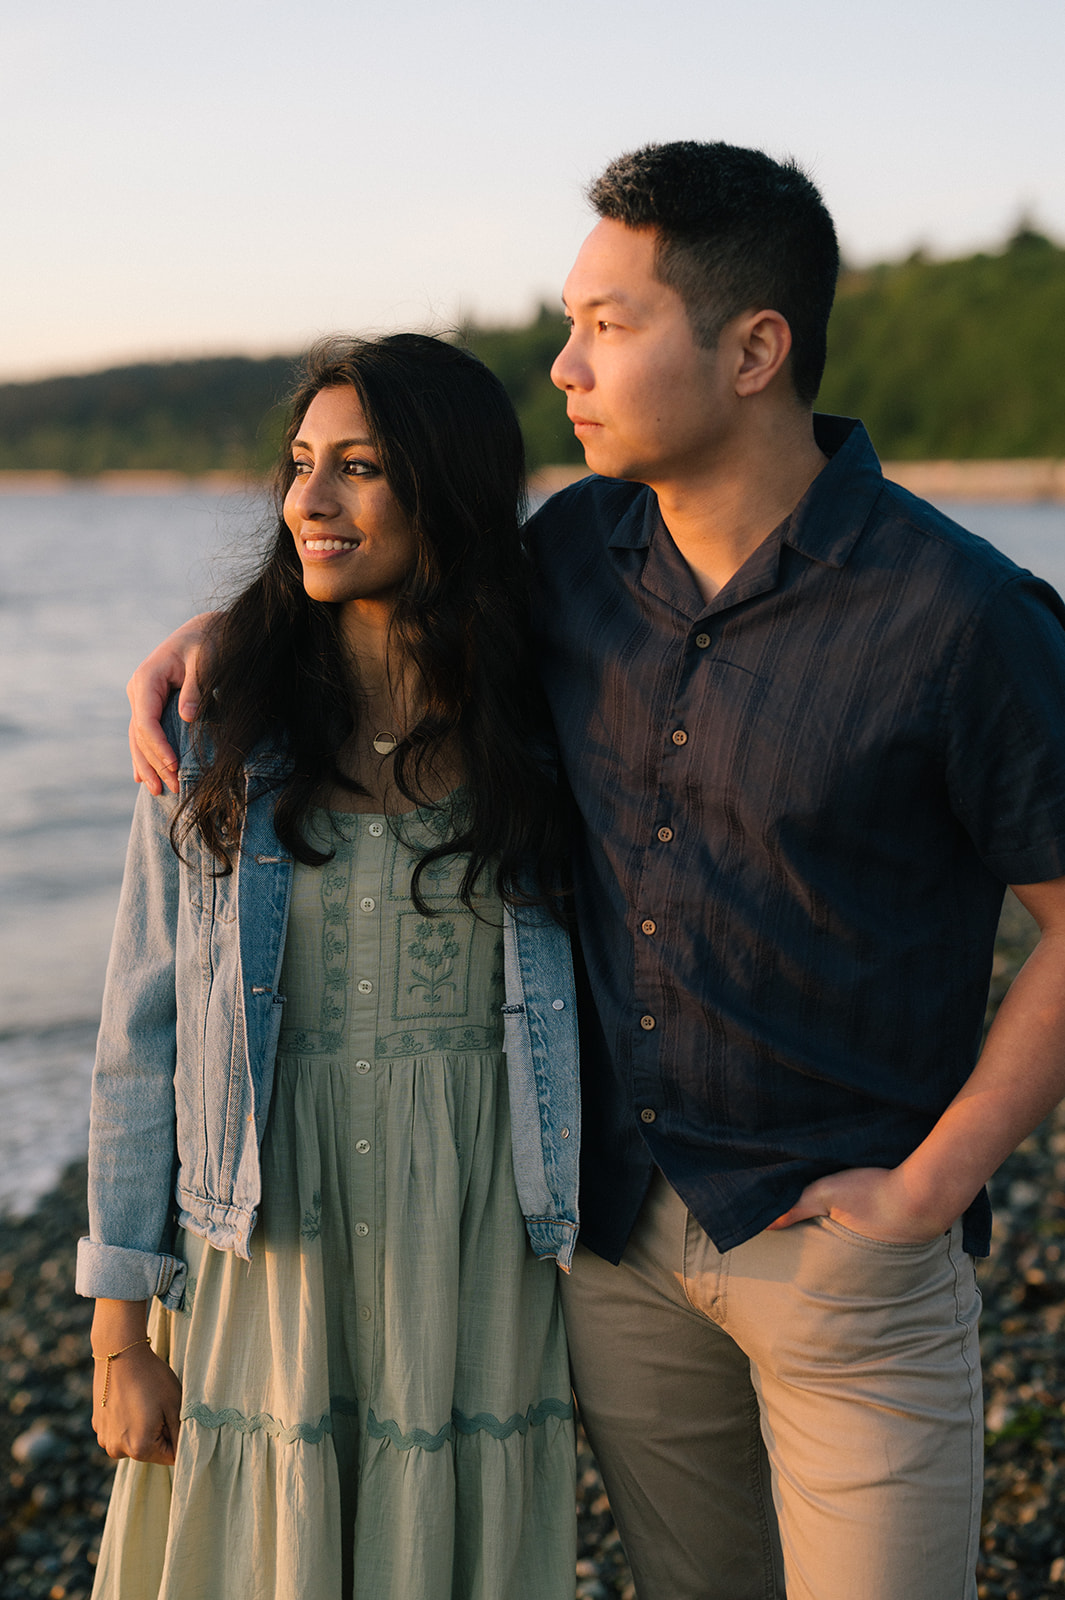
333 885
430 1040
312 1217
434 949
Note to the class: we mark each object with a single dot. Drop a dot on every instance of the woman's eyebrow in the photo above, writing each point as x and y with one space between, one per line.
336 444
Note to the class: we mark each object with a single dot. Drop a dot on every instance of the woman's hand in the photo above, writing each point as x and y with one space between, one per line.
171 665
143 1411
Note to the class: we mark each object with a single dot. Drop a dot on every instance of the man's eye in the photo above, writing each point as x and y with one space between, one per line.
604 326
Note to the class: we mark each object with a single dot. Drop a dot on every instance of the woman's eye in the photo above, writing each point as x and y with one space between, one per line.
301 468
361 469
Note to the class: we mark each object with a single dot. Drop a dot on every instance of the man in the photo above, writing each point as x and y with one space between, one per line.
812 728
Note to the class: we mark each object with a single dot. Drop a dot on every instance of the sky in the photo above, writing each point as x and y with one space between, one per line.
221 176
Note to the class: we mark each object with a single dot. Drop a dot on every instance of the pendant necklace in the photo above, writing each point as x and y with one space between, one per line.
385 743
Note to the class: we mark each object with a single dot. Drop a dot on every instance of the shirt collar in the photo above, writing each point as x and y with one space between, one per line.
635 529
835 508
829 517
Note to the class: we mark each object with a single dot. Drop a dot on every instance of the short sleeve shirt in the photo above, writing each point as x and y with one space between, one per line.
798 806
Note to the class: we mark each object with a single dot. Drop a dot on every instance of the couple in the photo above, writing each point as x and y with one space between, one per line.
810 729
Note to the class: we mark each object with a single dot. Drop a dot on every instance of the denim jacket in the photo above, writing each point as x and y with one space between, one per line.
185 1057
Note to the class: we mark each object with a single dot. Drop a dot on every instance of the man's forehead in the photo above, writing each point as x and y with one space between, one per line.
579 292
614 266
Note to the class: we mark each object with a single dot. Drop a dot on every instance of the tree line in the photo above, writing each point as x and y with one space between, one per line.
942 359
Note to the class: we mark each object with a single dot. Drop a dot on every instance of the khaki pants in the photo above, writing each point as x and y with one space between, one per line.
806 1405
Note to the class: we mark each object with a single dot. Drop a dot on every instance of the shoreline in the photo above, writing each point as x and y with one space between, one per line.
1006 482
54 1479
1017 482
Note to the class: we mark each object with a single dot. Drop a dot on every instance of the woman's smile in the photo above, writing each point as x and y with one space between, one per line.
328 546
340 504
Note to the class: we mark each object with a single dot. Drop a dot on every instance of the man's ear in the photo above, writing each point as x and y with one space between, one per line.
765 339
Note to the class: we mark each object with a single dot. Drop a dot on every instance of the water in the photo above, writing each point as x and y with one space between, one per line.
89 582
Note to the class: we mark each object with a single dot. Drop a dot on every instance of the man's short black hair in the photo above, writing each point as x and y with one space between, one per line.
737 231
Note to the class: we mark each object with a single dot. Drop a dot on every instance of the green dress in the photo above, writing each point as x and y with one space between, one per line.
377 1406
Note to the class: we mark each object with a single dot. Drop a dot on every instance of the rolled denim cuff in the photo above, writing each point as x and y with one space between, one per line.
552 1239
111 1272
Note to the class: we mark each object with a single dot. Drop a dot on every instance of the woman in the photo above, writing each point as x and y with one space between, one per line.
353 1380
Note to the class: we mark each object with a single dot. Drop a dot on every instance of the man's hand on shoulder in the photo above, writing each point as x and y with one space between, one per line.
171 665
873 1201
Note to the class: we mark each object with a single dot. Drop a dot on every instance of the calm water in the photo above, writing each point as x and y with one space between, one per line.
88 583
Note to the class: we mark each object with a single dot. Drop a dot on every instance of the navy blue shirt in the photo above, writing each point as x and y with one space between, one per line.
799 805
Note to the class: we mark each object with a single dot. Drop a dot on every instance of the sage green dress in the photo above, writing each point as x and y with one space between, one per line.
377 1406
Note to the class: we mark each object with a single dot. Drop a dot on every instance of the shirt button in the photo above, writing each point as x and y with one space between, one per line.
365 986
362 1229
679 736
648 926
647 1023
702 640
363 1146
365 1313
647 1115
375 829
665 834
558 1005
367 903
362 1066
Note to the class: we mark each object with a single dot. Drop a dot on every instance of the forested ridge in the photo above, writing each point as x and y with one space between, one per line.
960 359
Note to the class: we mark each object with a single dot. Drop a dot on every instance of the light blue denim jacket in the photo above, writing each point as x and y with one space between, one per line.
185 1056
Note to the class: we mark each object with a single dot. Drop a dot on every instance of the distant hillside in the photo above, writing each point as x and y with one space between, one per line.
186 416
958 359
522 359
955 358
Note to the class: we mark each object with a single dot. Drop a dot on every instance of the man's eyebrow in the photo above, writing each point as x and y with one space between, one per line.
611 297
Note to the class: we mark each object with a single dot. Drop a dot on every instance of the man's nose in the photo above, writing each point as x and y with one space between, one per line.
567 369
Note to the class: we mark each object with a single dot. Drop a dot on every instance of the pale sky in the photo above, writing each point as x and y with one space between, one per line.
241 175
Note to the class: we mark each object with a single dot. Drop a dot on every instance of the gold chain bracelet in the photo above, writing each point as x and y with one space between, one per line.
109 1358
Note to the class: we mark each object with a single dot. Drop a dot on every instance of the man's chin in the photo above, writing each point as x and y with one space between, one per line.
608 464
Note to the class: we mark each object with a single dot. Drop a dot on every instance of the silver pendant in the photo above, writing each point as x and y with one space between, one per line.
385 743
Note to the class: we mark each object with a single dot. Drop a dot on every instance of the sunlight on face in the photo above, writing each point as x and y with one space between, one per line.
353 538
646 401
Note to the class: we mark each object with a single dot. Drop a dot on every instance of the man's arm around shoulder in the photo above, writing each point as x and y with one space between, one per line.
171 665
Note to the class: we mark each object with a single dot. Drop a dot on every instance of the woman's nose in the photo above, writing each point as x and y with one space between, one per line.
314 493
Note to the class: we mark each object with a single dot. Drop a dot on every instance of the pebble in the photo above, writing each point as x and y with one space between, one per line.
37 1445
55 1485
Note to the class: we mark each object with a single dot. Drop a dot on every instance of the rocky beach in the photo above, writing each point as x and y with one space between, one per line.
54 1481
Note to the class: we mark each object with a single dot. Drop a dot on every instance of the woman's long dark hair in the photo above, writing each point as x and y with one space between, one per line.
280 672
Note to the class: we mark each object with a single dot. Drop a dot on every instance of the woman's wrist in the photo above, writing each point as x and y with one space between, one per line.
117 1324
